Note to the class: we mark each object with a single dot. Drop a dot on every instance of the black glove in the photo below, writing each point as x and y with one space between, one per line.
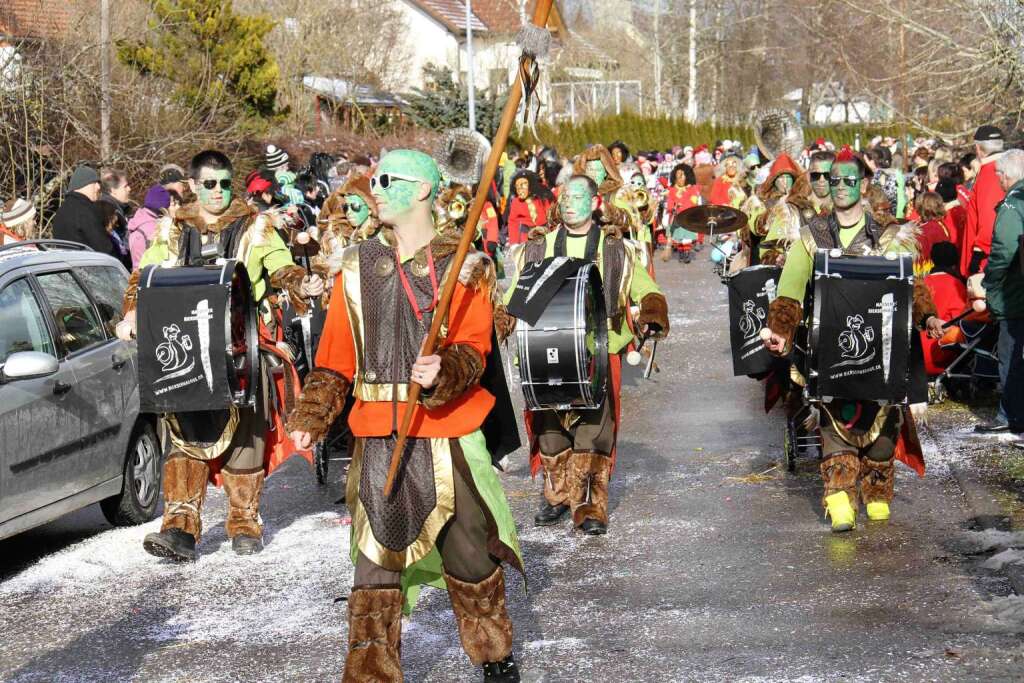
976 258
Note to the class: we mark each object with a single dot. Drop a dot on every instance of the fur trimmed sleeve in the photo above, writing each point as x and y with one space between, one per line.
504 324
461 368
654 311
131 294
320 404
290 279
924 304
784 315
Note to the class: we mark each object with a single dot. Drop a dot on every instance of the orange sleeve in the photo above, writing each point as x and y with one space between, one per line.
470 319
337 350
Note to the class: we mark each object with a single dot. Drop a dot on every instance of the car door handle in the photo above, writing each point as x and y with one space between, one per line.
61 388
117 362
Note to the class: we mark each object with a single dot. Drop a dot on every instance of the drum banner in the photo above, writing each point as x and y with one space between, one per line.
751 291
182 349
537 285
862 345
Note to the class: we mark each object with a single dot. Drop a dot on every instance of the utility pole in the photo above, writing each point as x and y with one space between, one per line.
691 95
105 80
470 70
657 56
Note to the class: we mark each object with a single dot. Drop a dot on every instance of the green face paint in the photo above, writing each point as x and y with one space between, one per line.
784 183
597 171
358 211
637 181
843 196
402 194
575 203
820 186
217 200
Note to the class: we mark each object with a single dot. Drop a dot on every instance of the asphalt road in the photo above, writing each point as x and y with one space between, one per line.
717 567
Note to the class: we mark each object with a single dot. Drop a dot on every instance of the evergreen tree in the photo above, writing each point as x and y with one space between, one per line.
210 53
444 104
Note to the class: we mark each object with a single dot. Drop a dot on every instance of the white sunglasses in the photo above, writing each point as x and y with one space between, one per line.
384 180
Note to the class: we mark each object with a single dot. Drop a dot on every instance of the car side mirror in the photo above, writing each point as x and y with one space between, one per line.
29 365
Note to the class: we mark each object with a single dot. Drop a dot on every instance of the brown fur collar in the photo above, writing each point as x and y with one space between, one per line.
190 214
610 219
477 269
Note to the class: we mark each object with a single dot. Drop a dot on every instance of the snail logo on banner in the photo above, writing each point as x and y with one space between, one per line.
751 292
181 350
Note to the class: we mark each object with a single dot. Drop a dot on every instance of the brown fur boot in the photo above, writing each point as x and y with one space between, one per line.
244 526
556 477
590 474
878 480
839 473
374 636
484 624
184 490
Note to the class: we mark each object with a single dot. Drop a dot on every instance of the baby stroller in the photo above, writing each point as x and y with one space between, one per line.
802 439
971 342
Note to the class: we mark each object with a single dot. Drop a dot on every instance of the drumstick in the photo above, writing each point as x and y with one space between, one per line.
508 118
972 309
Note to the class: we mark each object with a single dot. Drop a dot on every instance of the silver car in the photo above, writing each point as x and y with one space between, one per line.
70 429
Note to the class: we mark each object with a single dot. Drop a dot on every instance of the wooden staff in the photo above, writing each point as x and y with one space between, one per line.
508 117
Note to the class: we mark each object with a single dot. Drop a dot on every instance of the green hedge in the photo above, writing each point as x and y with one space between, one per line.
664 132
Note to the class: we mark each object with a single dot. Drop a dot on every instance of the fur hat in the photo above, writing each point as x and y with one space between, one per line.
360 185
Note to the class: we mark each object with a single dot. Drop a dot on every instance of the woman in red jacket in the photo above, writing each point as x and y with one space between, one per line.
528 206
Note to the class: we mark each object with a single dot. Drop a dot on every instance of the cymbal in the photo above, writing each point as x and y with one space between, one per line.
711 219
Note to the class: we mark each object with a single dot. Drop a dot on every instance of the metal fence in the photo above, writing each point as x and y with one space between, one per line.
577 100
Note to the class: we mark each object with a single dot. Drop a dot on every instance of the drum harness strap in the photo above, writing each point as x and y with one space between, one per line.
593 242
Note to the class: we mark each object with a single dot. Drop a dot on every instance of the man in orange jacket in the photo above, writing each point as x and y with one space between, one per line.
447 523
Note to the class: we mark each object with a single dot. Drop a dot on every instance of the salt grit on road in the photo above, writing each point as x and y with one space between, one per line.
717 567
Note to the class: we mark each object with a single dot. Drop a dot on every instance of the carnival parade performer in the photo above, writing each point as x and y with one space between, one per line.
683 193
236 445
447 523
786 196
818 174
527 207
859 438
576 449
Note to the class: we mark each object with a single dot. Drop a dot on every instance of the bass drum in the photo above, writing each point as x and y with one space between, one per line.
198 338
563 359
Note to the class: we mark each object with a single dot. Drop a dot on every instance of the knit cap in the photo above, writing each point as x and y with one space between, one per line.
83 177
276 158
15 212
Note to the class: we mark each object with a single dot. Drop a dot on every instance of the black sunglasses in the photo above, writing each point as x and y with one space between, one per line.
818 175
850 181
225 183
352 207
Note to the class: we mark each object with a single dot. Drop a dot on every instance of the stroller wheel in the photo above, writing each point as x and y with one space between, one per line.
937 392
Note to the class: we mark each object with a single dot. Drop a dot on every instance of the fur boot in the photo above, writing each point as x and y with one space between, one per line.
484 625
184 490
243 491
374 636
839 473
590 473
556 478
878 480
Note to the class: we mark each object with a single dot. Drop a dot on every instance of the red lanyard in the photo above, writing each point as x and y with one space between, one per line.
408 287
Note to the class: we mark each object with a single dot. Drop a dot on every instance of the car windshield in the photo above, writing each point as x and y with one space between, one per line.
22 325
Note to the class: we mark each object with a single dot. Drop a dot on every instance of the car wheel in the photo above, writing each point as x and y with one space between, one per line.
140 490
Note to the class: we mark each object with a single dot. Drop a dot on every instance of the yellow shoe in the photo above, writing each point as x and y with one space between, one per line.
844 517
878 511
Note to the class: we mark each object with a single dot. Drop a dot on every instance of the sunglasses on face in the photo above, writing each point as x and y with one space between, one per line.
385 179
849 181
819 175
352 207
210 183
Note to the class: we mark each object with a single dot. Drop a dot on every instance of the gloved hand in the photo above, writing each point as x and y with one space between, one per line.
312 286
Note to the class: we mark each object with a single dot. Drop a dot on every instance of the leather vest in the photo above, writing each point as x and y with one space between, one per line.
822 232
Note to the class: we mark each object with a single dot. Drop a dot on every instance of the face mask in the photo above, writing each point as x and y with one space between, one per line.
575 202
637 181
357 212
596 170
522 188
783 183
214 200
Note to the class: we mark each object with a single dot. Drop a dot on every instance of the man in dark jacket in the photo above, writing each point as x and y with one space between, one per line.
1004 288
77 219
